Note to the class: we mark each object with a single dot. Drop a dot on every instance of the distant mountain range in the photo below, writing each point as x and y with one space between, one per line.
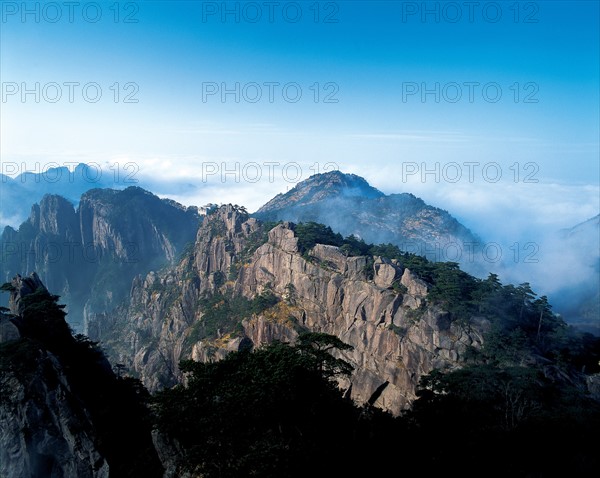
345 202
19 193
90 255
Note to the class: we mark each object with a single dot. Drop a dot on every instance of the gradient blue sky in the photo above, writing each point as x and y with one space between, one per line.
369 53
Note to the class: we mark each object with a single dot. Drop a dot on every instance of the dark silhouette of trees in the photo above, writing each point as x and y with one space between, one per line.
271 412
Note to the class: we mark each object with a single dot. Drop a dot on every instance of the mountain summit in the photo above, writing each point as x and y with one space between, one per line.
351 206
320 187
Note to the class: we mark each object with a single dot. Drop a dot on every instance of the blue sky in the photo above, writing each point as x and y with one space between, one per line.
543 57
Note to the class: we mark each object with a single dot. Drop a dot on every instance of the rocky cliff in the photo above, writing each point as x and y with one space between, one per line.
90 255
63 412
374 304
44 428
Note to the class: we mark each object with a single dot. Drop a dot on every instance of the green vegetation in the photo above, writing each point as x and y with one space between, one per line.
7 287
414 315
277 412
270 413
217 228
401 331
223 314
526 385
311 233
398 288
19 357
457 292
499 413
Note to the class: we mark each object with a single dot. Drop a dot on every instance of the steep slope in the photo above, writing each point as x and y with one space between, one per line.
243 285
349 205
37 399
90 255
63 411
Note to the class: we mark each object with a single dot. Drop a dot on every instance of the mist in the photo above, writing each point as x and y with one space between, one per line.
525 231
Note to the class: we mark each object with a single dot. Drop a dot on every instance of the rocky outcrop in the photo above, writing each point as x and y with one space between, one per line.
593 386
394 342
171 456
219 242
386 273
64 413
376 306
8 330
22 287
44 430
89 256
55 216
153 332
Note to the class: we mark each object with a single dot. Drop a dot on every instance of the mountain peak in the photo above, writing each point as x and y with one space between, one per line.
323 186
346 181
351 206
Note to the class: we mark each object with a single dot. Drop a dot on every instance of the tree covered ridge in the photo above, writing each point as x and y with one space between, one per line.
257 413
522 322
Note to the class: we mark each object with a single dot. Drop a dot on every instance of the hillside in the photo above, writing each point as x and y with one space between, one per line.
350 206
89 255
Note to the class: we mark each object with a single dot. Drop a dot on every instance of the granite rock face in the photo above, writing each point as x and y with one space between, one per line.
392 349
374 305
90 255
45 430
23 286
